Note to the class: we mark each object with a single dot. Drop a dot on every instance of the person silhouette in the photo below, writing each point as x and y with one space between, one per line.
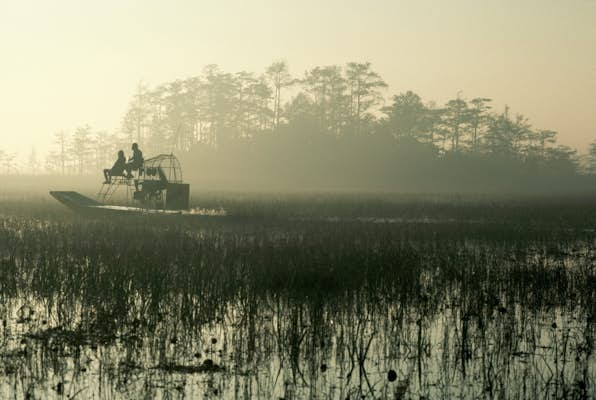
117 169
135 162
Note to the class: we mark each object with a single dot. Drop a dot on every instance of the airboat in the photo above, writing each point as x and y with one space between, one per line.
157 188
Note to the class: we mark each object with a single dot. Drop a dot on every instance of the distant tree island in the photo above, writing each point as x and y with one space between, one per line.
336 129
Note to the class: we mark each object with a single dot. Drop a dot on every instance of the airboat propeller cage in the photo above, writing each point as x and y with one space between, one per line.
161 175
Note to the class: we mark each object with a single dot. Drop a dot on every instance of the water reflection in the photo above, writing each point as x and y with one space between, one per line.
91 311
278 348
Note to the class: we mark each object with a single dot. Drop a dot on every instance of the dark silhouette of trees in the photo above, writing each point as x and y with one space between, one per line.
329 126
365 91
327 87
279 76
251 113
409 118
542 140
218 107
505 135
478 119
455 123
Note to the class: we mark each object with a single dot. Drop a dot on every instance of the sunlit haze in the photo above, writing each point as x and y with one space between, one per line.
297 199
68 63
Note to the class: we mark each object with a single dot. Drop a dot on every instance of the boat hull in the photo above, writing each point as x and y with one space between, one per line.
86 206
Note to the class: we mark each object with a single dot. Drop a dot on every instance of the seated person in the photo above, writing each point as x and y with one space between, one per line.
135 162
117 169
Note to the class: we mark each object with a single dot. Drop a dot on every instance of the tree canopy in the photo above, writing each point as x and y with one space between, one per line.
331 116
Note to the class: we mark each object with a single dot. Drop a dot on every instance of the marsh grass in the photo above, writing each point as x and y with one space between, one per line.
299 305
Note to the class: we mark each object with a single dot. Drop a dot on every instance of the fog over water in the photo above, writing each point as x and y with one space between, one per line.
298 199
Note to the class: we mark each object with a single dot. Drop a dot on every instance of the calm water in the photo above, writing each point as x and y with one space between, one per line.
305 315
278 348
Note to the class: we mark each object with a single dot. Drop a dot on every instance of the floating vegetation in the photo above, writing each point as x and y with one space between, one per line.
299 307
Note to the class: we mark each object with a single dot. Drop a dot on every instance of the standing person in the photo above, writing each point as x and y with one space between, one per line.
136 161
117 169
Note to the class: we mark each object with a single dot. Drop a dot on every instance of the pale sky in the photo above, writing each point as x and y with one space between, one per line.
66 63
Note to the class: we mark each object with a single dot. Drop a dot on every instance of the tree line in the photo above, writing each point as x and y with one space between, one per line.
228 118
218 107
84 151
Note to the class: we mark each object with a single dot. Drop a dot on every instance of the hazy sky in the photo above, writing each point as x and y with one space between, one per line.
67 63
